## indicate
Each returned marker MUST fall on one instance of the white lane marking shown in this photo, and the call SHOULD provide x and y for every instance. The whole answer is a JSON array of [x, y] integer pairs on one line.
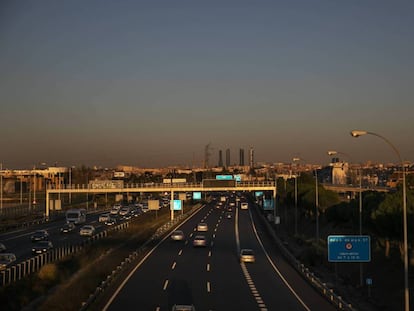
[[173, 265], [121, 286], [274, 266], [208, 267], [208, 287], [180, 252], [165, 285], [209, 254]]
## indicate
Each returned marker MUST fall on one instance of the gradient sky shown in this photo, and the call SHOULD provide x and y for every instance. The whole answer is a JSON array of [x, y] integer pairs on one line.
[[151, 83]]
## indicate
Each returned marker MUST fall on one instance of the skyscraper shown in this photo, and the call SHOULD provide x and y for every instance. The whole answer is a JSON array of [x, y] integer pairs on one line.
[[227, 157], [241, 152], [220, 162], [251, 158]]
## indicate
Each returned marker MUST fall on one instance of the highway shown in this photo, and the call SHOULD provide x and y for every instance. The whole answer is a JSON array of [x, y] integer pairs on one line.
[[19, 242], [212, 278]]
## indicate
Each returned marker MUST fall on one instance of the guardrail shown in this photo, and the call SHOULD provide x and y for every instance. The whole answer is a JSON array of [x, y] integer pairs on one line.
[[134, 255], [322, 287], [19, 271]]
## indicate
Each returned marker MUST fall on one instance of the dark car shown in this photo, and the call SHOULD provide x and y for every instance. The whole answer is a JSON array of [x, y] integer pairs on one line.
[[41, 247], [68, 227], [40, 235]]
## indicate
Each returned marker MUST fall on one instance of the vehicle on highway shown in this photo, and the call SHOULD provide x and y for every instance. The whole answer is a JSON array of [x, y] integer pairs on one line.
[[39, 235], [244, 205], [3, 248], [247, 255], [104, 217], [177, 235], [183, 308], [68, 227], [202, 227], [200, 241], [87, 230], [6, 259], [115, 209], [110, 221], [124, 211], [42, 247], [77, 216]]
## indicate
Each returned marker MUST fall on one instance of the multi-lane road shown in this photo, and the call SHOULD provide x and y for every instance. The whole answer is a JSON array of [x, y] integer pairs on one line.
[[212, 278], [19, 242]]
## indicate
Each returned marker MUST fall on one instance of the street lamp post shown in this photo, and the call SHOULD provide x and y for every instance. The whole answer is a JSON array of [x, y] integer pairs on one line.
[[357, 133], [1, 188], [317, 206], [296, 198]]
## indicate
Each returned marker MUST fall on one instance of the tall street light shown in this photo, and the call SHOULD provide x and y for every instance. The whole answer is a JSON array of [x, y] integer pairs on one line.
[[357, 133], [296, 198], [317, 205]]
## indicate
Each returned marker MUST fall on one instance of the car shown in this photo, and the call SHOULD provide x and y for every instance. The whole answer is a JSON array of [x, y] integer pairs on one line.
[[110, 221], [41, 247], [124, 211], [247, 255], [40, 235], [68, 227], [126, 216], [202, 227], [244, 205], [87, 230], [6, 259], [200, 241], [183, 308], [115, 209], [177, 235], [3, 248], [104, 217]]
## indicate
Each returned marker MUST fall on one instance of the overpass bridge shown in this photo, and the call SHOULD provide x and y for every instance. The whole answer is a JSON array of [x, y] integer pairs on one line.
[[208, 185]]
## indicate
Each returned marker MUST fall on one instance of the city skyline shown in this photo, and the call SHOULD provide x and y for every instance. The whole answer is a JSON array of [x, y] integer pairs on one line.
[[151, 83]]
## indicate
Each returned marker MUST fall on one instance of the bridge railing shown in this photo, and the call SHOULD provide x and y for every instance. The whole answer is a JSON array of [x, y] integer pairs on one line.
[[154, 185]]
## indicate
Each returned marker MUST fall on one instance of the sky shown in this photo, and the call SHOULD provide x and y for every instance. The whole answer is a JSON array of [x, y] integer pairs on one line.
[[152, 83]]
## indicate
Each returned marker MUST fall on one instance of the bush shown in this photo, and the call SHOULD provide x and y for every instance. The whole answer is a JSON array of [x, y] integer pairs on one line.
[[48, 272]]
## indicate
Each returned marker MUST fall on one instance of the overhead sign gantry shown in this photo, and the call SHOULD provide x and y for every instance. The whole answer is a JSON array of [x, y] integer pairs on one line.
[[207, 185]]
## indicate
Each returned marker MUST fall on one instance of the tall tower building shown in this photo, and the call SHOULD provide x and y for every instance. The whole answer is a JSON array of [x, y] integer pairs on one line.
[[241, 151], [251, 157], [220, 162], [227, 157]]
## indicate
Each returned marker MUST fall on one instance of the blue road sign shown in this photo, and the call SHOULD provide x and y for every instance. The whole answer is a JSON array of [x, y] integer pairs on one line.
[[349, 248], [224, 177], [196, 195], [176, 204]]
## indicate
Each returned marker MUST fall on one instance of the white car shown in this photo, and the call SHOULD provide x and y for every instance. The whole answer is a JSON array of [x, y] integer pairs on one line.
[[202, 227], [200, 241], [124, 211], [115, 209], [177, 235], [87, 230]]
